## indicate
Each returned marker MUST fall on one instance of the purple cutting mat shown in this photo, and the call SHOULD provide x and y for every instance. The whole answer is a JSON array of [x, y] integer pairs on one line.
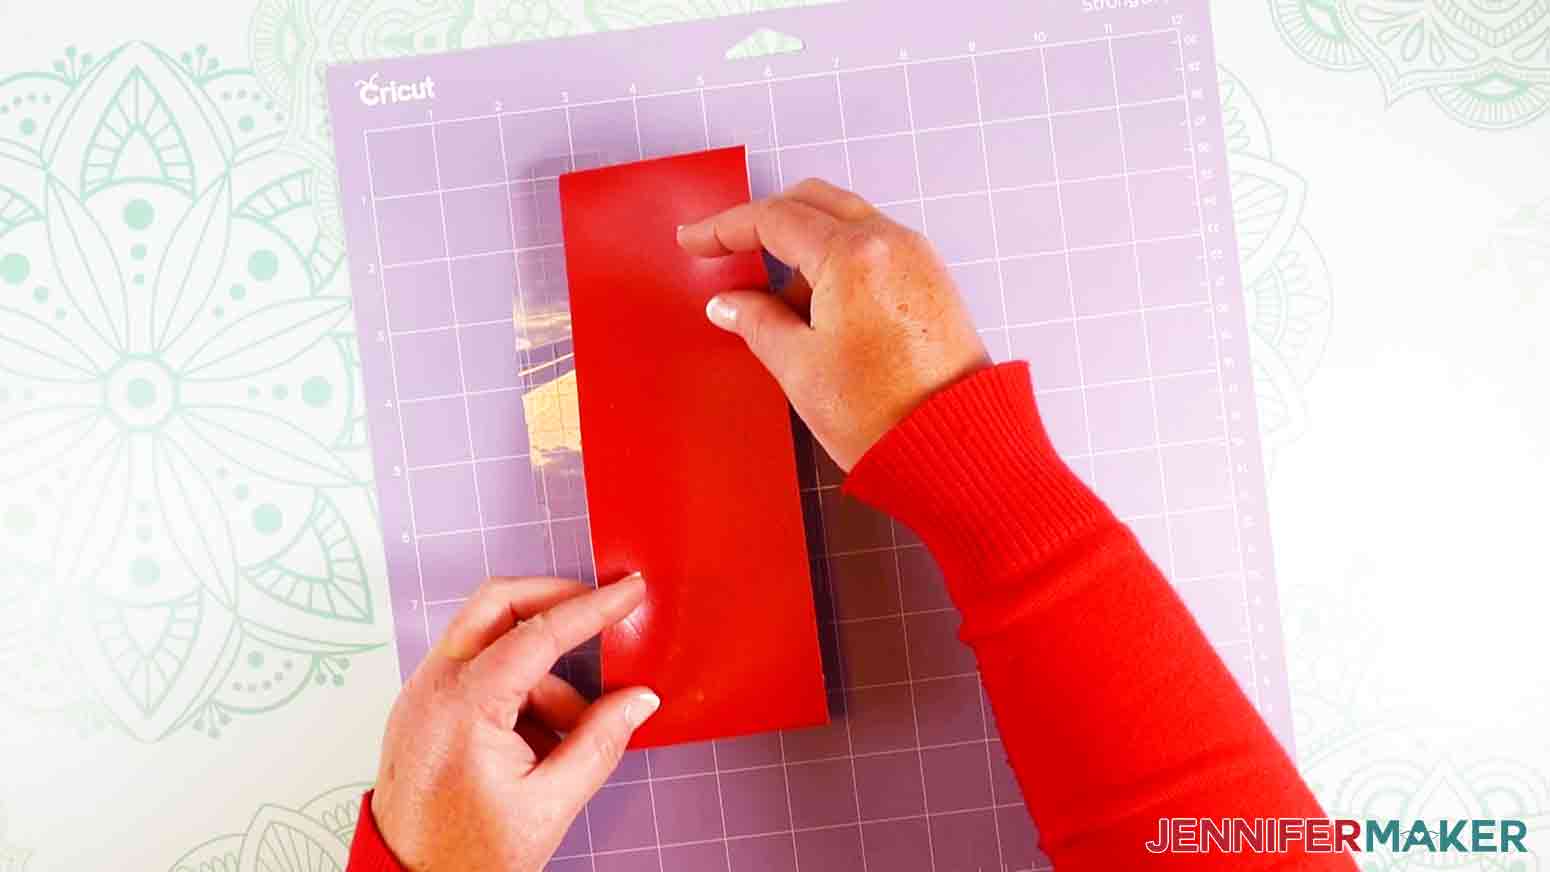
[[1070, 166]]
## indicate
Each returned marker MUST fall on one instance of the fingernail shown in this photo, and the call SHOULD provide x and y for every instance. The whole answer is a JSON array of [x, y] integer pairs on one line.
[[721, 313], [679, 233], [628, 587], [641, 708], [445, 647]]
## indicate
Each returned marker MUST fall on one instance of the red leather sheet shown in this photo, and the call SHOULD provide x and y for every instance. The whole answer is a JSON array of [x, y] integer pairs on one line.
[[690, 469]]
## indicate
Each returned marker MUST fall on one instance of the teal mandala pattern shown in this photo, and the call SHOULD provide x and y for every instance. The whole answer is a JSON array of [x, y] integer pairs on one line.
[[1286, 283], [290, 42], [1401, 772], [1486, 63], [314, 837], [617, 14], [517, 20], [1365, 756], [185, 520]]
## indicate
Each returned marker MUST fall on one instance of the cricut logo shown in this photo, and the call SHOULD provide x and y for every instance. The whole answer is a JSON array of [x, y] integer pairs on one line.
[[374, 93]]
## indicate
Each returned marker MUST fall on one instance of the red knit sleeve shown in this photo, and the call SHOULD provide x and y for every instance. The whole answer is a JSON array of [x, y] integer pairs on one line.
[[369, 852], [1114, 709]]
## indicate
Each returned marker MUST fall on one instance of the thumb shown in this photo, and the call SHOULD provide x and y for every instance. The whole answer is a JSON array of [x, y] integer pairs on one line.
[[592, 751], [774, 332]]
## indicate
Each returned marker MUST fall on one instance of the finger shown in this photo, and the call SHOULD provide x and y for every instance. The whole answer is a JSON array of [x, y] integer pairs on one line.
[[775, 334], [795, 232], [591, 752], [540, 738], [798, 294], [842, 204], [496, 607], [555, 703], [514, 664]]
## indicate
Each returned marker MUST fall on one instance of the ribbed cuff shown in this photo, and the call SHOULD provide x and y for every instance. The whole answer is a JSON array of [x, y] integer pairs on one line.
[[369, 852], [973, 473]]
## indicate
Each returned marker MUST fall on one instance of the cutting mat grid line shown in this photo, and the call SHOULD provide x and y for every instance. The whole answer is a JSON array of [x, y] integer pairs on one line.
[[1071, 284], [1256, 688], [393, 374], [811, 146], [993, 807], [524, 341], [1146, 333], [813, 456], [893, 526], [886, 204], [773, 149], [462, 373], [983, 331], [861, 68], [796, 854], [1064, 184]]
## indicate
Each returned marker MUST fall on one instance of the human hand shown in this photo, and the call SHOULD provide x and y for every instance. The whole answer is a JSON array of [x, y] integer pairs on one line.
[[458, 787], [885, 326]]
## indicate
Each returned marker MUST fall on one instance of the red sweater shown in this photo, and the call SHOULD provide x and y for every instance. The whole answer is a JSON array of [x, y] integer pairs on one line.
[[1114, 709]]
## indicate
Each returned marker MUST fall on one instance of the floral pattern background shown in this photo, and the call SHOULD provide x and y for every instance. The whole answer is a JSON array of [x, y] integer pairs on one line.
[[186, 529], [1486, 63], [1286, 281], [314, 836], [188, 545]]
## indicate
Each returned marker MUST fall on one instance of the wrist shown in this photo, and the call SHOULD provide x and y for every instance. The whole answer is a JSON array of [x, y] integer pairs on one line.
[[962, 469], [370, 851]]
